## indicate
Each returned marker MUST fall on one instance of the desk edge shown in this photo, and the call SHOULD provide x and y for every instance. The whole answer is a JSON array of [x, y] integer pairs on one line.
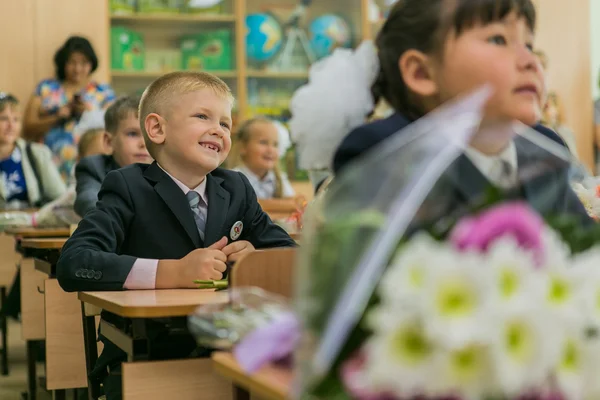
[[133, 312], [241, 378]]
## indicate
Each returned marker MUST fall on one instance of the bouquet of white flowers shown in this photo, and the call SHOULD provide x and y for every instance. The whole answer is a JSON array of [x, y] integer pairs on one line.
[[417, 279]]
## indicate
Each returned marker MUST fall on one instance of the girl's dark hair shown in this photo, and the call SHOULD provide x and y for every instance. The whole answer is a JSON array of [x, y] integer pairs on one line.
[[423, 25], [74, 44]]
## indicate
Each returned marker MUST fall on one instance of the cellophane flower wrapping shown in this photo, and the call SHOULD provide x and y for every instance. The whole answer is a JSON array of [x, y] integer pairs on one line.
[[413, 190], [223, 325], [57, 213]]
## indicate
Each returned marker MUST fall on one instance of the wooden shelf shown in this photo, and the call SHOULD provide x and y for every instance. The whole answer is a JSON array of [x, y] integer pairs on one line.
[[152, 75], [278, 74], [173, 18]]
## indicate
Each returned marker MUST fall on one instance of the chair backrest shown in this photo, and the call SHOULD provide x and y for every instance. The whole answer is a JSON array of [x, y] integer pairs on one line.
[[271, 270]]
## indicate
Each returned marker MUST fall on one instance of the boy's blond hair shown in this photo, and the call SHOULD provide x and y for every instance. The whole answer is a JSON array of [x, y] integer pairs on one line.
[[159, 94], [86, 140]]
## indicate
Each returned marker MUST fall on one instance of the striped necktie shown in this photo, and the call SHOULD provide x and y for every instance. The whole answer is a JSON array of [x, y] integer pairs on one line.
[[194, 199]]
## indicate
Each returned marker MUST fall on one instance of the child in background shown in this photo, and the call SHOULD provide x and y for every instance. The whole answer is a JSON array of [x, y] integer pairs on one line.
[[256, 155], [92, 142], [123, 138], [432, 51], [28, 177]]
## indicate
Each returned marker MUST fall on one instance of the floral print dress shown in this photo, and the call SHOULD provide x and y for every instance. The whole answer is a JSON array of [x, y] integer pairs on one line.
[[60, 138]]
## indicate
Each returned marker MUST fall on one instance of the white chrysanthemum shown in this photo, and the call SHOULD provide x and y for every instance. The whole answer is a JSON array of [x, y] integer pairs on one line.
[[524, 348], [591, 366], [409, 269], [401, 360], [564, 291], [515, 274], [554, 246], [458, 300], [587, 263], [463, 372], [570, 369]]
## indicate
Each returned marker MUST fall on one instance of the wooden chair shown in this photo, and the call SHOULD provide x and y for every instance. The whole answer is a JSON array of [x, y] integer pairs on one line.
[[271, 270]]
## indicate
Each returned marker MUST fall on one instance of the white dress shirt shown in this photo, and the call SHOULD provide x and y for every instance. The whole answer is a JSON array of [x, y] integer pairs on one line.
[[143, 271], [265, 187], [491, 166]]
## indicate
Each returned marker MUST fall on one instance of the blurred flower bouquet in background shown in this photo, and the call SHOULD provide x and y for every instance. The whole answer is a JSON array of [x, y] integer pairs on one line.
[[589, 194], [419, 280]]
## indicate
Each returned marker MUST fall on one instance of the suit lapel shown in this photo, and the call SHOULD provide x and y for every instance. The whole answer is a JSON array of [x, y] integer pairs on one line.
[[468, 180], [218, 205], [539, 172], [173, 196]]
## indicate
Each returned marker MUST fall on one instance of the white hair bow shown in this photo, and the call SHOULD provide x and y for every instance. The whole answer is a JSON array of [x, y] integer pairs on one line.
[[336, 100]]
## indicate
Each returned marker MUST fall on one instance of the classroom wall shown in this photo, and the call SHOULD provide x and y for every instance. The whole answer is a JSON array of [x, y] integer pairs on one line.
[[595, 46], [564, 34], [32, 31]]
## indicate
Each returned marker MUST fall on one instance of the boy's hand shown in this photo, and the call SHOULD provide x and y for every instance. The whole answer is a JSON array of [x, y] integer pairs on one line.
[[237, 250], [203, 264]]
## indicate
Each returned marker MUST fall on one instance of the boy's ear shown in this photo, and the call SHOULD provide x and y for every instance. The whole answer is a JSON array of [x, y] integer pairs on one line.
[[155, 127], [418, 73], [107, 140]]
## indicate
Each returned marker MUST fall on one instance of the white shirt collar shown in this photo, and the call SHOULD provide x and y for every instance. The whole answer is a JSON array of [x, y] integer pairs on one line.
[[200, 189], [490, 166], [269, 178]]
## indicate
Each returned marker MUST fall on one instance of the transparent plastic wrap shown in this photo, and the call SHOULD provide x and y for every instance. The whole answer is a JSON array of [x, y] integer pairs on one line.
[[420, 179], [12, 219], [59, 212], [222, 326]]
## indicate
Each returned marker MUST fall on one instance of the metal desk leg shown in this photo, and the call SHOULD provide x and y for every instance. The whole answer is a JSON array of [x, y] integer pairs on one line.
[[91, 352], [31, 370], [4, 330], [240, 393]]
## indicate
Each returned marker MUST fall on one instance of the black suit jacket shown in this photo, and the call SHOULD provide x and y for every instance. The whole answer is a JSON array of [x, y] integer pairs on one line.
[[89, 174], [142, 213], [545, 181], [363, 138]]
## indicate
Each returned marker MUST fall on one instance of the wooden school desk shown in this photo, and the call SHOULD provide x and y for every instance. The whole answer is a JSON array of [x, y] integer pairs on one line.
[[34, 300], [9, 261], [269, 383], [142, 379], [32, 233], [60, 324]]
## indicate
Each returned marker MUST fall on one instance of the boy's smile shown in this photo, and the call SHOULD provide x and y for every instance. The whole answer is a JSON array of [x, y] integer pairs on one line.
[[197, 133]]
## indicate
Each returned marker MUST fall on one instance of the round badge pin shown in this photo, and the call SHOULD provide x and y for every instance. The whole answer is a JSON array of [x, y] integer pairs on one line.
[[236, 230]]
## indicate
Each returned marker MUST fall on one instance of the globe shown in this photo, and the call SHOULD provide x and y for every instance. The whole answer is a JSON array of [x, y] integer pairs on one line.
[[328, 32], [264, 37]]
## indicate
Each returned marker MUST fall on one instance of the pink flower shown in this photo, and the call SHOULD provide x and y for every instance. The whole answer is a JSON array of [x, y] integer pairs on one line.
[[516, 219]]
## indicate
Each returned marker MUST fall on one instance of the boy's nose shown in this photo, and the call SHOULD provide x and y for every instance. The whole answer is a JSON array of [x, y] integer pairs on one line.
[[217, 132]]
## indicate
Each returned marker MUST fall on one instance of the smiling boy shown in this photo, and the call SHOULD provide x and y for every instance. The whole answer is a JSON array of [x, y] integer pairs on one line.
[[178, 219]]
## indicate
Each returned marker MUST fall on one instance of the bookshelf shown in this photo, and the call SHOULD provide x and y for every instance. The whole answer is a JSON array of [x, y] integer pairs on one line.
[[163, 30]]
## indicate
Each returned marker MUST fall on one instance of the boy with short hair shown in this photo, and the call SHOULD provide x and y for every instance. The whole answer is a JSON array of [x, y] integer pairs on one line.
[[179, 219], [124, 139]]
